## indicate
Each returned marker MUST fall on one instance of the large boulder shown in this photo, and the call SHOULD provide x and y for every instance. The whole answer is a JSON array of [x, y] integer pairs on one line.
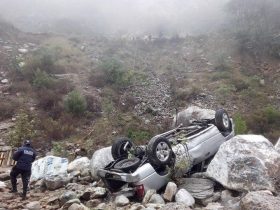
[[260, 200], [81, 164], [192, 113], [246, 163], [100, 159]]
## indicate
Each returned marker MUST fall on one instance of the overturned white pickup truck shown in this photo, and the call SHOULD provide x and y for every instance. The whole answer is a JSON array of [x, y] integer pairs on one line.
[[183, 149]]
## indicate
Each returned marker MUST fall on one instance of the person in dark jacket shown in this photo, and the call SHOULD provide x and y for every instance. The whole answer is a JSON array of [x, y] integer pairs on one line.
[[24, 156]]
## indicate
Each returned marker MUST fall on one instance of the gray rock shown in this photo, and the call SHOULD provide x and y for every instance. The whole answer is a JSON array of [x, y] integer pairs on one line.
[[156, 198], [262, 82], [4, 176], [170, 191], [228, 201], [185, 197], [2, 185], [93, 203], [148, 195], [192, 113], [34, 205], [98, 192], [79, 164], [175, 206], [154, 205], [214, 206], [121, 200], [201, 189], [67, 196], [76, 206], [246, 163], [21, 64], [54, 182], [260, 200], [69, 203], [101, 206], [100, 159], [137, 206], [201, 175], [23, 51], [4, 81]]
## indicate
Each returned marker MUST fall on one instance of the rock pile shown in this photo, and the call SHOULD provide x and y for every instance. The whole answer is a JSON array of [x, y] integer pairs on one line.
[[243, 175]]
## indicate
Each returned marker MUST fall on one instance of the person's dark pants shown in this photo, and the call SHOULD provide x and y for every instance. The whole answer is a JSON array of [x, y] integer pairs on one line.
[[25, 175]]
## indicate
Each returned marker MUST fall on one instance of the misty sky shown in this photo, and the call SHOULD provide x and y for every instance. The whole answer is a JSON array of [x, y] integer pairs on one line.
[[116, 17]]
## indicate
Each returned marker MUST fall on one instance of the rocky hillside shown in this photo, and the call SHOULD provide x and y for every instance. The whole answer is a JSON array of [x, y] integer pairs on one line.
[[167, 75]]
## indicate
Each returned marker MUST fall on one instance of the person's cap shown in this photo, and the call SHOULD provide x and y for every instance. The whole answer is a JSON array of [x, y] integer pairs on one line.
[[26, 142]]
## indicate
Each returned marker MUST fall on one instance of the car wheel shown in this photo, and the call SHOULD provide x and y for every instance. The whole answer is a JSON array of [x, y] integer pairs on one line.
[[159, 152], [222, 120], [121, 147], [128, 165]]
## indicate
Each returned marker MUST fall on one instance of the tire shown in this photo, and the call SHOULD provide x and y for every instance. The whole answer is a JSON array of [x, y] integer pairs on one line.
[[118, 149], [159, 152], [222, 120], [128, 165]]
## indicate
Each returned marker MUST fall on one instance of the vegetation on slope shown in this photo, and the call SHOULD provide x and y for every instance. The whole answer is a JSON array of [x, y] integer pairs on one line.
[[81, 88]]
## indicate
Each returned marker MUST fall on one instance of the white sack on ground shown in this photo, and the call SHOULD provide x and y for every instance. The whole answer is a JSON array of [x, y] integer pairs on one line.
[[49, 165]]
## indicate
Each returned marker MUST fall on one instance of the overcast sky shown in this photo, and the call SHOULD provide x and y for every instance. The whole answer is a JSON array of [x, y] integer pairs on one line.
[[119, 17]]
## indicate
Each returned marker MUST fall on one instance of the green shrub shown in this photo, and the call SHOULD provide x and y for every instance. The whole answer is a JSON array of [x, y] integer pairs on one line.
[[254, 80], [47, 63], [264, 121], [41, 59], [47, 99], [21, 87], [58, 129], [62, 86], [75, 103], [59, 149], [224, 91], [93, 103], [220, 75], [186, 94], [273, 115], [240, 124], [17, 70], [239, 84], [254, 95], [42, 79], [114, 75], [97, 79], [221, 63], [23, 129], [138, 135], [8, 108]]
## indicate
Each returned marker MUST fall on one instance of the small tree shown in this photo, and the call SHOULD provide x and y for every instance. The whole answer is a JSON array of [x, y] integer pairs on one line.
[[42, 79], [75, 103], [23, 129]]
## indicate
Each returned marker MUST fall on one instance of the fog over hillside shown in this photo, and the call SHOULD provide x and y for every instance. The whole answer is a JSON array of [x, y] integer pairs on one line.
[[115, 17]]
